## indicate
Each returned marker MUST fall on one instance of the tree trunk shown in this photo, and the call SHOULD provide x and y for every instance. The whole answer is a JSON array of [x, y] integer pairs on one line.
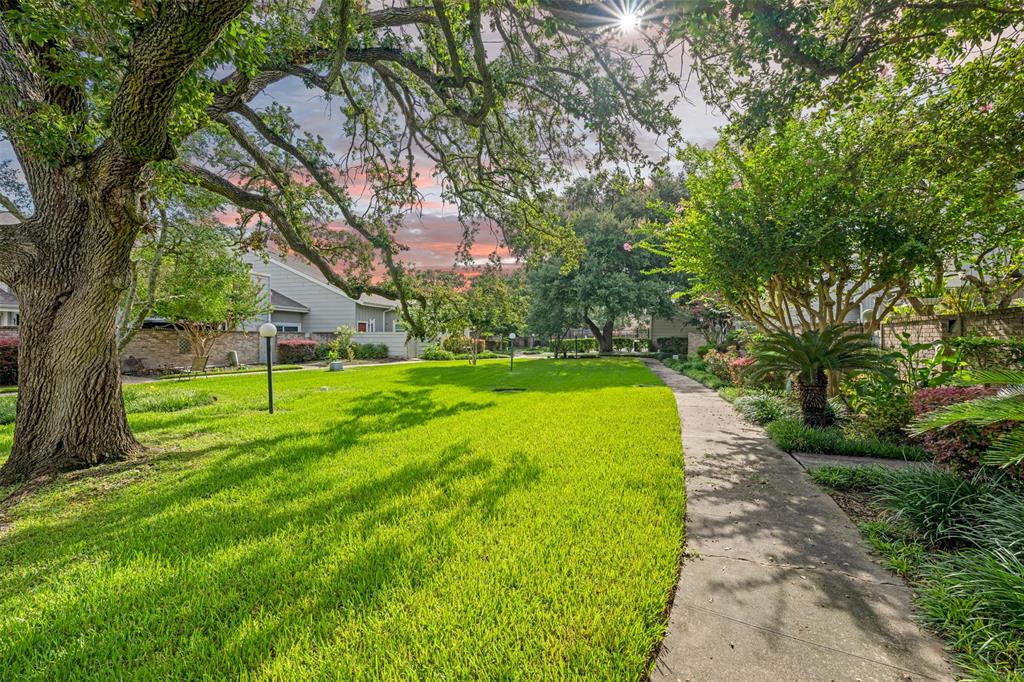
[[813, 399], [602, 334], [70, 412]]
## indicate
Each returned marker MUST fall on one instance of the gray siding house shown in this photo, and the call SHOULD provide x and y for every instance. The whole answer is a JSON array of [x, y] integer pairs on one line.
[[303, 302]]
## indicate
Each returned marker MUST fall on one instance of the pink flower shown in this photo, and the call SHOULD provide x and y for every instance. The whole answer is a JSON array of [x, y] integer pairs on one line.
[[985, 108], [737, 185], [627, 247], [885, 71]]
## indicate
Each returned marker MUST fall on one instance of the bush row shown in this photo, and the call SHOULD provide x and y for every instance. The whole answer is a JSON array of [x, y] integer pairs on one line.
[[9, 361], [307, 350]]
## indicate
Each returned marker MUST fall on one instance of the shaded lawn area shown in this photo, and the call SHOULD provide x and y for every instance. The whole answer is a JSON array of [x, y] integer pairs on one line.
[[408, 522]]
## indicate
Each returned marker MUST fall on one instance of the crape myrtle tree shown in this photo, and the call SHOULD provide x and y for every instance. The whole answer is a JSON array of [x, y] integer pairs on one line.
[[104, 99], [206, 290], [612, 280], [832, 214]]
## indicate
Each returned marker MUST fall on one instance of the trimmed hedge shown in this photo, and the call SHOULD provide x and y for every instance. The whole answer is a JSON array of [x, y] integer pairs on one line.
[[291, 351], [676, 345], [9, 361]]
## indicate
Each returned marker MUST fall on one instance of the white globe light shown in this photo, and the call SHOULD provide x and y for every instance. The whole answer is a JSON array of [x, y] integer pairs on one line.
[[268, 330], [512, 336]]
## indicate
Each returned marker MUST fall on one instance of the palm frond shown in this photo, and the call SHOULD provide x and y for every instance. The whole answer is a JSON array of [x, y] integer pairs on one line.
[[980, 411], [999, 377], [1007, 450]]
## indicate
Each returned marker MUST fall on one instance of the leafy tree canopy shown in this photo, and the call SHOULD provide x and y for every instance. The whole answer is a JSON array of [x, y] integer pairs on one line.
[[612, 280], [803, 226]]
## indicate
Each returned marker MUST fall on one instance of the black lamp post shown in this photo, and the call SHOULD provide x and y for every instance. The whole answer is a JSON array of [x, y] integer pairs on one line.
[[511, 350], [269, 331]]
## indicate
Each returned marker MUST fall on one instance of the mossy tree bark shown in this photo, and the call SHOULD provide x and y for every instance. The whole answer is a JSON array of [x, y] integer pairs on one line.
[[69, 262]]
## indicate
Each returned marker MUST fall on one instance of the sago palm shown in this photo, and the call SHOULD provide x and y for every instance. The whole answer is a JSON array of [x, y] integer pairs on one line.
[[810, 356], [1005, 406]]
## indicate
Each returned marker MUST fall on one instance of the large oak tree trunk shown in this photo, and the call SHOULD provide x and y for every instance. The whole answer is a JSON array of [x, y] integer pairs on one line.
[[602, 334], [70, 412]]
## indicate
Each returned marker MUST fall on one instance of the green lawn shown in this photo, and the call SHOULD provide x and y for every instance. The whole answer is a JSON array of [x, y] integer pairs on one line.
[[408, 522]]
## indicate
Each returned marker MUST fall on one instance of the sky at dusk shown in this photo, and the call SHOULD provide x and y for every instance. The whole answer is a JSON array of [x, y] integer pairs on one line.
[[433, 232]]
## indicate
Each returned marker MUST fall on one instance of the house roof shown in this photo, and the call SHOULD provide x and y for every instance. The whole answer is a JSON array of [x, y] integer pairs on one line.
[[8, 300], [304, 268], [281, 302]]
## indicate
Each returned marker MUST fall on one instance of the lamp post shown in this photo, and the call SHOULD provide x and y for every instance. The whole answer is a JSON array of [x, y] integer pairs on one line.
[[575, 345], [511, 350], [269, 331]]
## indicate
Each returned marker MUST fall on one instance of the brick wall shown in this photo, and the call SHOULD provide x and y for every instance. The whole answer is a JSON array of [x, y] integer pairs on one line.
[[1000, 325], [8, 332], [161, 348]]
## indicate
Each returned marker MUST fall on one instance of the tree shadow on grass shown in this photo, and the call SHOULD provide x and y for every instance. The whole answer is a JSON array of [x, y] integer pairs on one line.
[[243, 576]]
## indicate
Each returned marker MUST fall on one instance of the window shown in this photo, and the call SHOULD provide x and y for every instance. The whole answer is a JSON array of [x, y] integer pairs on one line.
[[289, 327], [373, 325], [361, 326], [184, 347]]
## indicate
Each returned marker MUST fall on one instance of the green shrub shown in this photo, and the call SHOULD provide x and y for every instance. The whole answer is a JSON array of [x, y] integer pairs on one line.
[[370, 351], [584, 345], [931, 501], [696, 370], [986, 352], [731, 394], [7, 406], [483, 355], [850, 479], [764, 408], [673, 345], [793, 436], [436, 353]]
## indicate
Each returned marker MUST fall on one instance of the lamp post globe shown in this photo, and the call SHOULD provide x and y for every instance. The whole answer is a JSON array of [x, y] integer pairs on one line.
[[269, 331]]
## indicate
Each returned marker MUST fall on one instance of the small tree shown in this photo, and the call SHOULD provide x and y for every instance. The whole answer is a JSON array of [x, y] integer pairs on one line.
[[553, 310], [341, 344], [811, 357], [206, 292]]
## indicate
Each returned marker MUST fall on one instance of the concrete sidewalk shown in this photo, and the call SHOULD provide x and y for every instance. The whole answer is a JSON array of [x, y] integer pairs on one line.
[[777, 583]]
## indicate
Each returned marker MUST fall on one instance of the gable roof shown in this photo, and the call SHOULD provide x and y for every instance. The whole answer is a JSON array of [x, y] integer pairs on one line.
[[279, 301], [305, 270]]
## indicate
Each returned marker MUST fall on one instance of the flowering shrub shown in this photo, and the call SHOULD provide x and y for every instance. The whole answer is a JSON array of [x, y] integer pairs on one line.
[[738, 369], [718, 362], [958, 446], [9, 361], [290, 351]]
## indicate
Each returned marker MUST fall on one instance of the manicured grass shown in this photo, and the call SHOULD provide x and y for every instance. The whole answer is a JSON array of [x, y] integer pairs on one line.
[[228, 370], [793, 436], [406, 523]]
